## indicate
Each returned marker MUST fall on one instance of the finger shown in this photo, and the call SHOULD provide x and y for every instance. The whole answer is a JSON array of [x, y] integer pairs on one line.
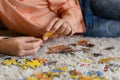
[[30, 52], [56, 26], [54, 36], [34, 41], [53, 21], [32, 45], [67, 31], [29, 39], [61, 29], [45, 39]]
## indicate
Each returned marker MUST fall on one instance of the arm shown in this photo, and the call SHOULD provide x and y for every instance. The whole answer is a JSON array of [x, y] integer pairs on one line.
[[19, 46], [69, 20]]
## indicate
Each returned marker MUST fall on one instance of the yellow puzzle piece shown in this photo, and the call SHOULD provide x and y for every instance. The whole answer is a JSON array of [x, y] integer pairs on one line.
[[32, 78], [48, 34], [9, 62], [23, 66], [33, 63], [104, 60], [86, 61]]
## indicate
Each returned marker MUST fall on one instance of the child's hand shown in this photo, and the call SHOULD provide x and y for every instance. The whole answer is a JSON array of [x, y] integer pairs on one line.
[[20, 46], [59, 27]]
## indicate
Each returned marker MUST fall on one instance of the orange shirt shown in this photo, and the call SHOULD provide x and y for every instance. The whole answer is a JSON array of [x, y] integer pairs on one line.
[[31, 17]]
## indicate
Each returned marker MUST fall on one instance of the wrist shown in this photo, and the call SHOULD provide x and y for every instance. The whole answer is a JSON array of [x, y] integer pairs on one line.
[[3, 42]]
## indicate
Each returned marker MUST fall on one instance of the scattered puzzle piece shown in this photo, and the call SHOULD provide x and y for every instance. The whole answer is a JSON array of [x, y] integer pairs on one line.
[[43, 76], [86, 78], [33, 63], [96, 54], [48, 34], [85, 43], [82, 42], [90, 45], [8, 62], [86, 50], [109, 48], [73, 44], [104, 60], [75, 74], [59, 70], [50, 63], [64, 69], [86, 61], [32, 78], [59, 49], [23, 66]]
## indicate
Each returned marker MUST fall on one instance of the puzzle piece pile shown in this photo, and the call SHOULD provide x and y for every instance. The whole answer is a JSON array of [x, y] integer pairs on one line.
[[25, 62], [74, 74], [48, 75], [93, 75], [90, 75]]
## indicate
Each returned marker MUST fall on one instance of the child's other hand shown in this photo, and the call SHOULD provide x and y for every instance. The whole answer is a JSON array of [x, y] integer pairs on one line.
[[20, 46], [59, 27]]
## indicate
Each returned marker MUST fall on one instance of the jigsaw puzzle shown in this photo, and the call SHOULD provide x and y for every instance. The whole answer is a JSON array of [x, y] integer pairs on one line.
[[79, 60]]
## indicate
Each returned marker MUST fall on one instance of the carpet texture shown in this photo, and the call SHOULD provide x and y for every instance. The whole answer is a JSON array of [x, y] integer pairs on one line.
[[103, 57]]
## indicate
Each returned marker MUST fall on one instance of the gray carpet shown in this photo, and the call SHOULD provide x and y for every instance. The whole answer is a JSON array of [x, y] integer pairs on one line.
[[72, 62]]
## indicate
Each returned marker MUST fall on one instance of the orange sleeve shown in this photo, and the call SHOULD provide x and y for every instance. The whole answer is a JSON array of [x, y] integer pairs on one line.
[[17, 15], [70, 11], [11, 18]]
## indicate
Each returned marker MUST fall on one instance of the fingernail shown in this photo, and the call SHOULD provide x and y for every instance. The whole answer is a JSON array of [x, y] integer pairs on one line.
[[41, 41], [47, 29], [46, 38]]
